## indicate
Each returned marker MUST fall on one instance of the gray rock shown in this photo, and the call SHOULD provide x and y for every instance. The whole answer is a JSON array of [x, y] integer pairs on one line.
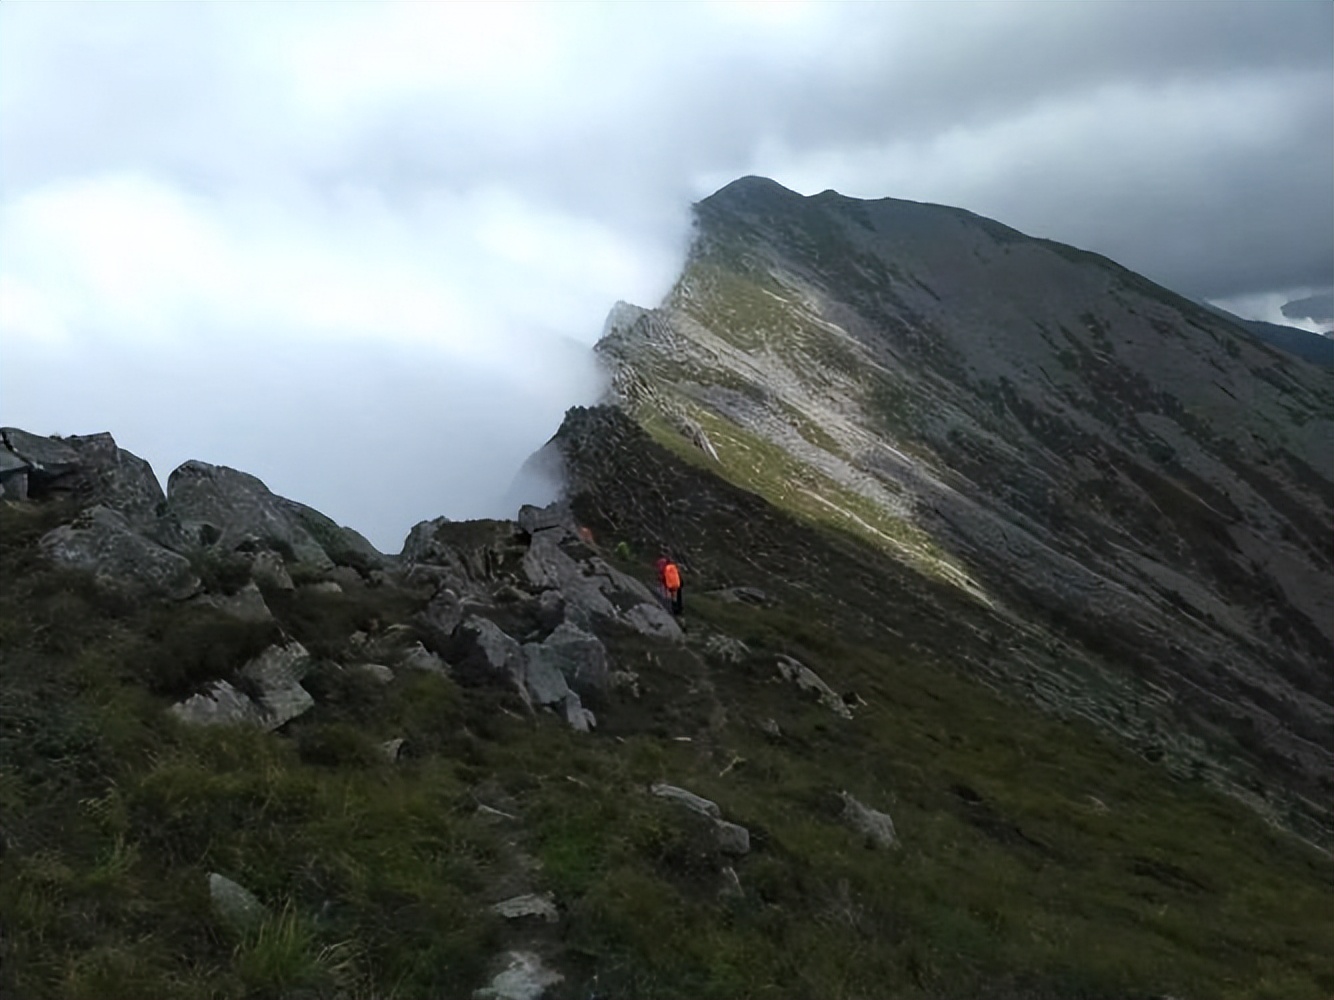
[[732, 837], [690, 800], [654, 620], [550, 609], [523, 977], [234, 905], [418, 657], [246, 605], [103, 542], [117, 479], [743, 595], [268, 568], [541, 905], [219, 704], [555, 516], [277, 673], [441, 617], [391, 749], [877, 826], [490, 653], [579, 718], [809, 681], [542, 677], [45, 457], [581, 657], [377, 672], [218, 506]]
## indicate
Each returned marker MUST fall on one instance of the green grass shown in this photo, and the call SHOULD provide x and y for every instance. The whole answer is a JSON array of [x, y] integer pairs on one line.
[[1037, 859]]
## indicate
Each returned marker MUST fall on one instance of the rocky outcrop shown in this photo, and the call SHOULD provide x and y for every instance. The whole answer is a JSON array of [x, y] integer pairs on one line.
[[809, 682], [876, 826], [275, 677], [731, 838], [580, 658], [101, 541]]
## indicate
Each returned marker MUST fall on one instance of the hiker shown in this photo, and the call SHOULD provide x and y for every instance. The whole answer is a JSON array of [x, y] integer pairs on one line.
[[669, 575]]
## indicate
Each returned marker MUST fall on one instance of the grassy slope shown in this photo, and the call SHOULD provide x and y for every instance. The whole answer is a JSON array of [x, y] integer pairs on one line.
[[1038, 860]]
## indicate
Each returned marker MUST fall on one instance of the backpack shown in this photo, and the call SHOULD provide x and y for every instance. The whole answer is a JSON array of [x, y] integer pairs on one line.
[[671, 576]]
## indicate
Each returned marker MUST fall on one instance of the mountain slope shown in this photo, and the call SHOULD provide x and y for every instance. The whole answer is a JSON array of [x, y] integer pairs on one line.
[[1128, 479]]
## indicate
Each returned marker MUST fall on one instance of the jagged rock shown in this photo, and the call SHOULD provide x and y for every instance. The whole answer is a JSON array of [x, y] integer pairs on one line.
[[377, 672], [690, 800], [547, 567], [441, 617], [555, 516], [391, 748], [542, 677], [732, 838], [421, 546], [580, 657], [490, 653], [246, 605], [541, 905], [114, 478], [277, 674], [418, 657], [268, 568], [218, 506], [877, 826], [234, 905], [524, 977], [579, 718], [809, 681], [219, 704], [652, 619], [102, 541], [46, 459]]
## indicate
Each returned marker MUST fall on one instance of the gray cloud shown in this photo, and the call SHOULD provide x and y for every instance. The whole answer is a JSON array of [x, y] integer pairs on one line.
[[422, 207]]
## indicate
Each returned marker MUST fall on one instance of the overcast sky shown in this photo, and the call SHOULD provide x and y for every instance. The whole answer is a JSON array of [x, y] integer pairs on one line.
[[360, 251]]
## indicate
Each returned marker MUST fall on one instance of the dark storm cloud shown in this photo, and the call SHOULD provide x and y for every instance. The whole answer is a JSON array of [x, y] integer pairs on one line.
[[417, 201]]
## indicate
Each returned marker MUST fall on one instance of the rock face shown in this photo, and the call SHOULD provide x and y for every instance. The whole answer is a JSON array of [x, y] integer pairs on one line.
[[221, 508], [1070, 447], [103, 542]]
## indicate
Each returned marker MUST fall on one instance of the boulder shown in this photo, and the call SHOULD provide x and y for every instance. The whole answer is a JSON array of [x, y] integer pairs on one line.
[[550, 609], [42, 462], [580, 719], [542, 905], [267, 568], [102, 541], [579, 656], [654, 620], [418, 657], [392, 748], [440, 618], [690, 800], [553, 517], [809, 681], [117, 479], [233, 904], [489, 653], [523, 977], [246, 605], [876, 826], [732, 838], [219, 704], [276, 674]]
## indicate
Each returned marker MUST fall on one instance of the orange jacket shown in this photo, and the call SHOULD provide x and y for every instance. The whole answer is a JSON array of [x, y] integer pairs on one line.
[[671, 577]]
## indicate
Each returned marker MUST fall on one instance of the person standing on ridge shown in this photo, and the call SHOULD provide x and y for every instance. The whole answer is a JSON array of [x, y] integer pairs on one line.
[[670, 575]]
